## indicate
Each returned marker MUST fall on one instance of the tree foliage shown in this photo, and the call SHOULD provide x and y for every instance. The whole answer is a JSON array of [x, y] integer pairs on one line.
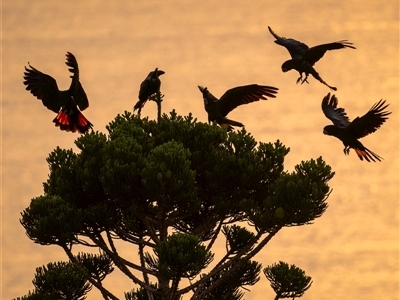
[[287, 281], [168, 189]]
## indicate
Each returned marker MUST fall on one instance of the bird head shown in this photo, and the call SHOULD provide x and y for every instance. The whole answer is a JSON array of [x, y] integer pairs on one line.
[[159, 72], [328, 130], [202, 89], [153, 75], [287, 66], [205, 93]]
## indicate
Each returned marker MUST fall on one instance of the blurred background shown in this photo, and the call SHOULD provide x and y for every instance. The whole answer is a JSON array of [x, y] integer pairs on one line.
[[352, 251]]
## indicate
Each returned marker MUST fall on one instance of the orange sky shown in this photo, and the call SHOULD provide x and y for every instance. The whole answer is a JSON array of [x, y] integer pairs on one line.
[[352, 251]]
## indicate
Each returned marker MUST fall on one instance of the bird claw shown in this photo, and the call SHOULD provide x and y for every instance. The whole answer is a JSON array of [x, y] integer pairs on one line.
[[301, 80], [346, 150], [305, 80]]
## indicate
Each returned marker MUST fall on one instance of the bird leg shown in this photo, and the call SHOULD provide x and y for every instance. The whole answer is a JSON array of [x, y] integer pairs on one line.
[[300, 79], [346, 150], [305, 79]]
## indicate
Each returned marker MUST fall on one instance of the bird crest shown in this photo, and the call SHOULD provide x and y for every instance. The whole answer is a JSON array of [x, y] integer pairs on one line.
[[205, 92]]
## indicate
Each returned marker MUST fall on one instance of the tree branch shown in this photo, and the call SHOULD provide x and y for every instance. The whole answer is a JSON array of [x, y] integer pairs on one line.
[[150, 230], [214, 238], [143, 265], [118, 262], [233, 261], [96, 283], [237, 261], [126, 236]]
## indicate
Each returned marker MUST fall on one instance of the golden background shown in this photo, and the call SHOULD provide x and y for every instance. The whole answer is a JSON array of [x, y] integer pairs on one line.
[[352, 251]]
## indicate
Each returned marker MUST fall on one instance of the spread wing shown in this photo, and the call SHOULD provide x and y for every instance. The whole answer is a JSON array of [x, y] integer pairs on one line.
[[315, 53], [371, 121], [42, 86], [243, 95], [296, 49], [76, 87], [337, 115]]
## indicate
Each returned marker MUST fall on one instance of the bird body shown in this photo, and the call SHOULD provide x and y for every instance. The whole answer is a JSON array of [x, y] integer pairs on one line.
[[218, 109], [148, 87], [304, 58], [64, 103], [349, 132]]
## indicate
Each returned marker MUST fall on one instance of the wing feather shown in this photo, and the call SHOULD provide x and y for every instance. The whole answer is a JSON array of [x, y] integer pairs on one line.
[[371, 121], [76, 88], [42, 86], [243, 95], [315, 53], [338, 116], [296, 49]]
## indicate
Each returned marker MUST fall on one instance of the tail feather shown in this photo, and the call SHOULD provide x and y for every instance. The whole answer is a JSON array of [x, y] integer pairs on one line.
[[316, 76], [72, 120], [139, 105], [367, 154], [226, 126], [228, 123]]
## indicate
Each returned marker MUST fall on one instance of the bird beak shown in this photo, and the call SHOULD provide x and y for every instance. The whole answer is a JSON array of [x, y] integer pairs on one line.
[[202, 89], [158, 72]]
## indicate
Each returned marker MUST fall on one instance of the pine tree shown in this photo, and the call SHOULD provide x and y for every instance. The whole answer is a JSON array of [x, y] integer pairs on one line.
[[168, 189]]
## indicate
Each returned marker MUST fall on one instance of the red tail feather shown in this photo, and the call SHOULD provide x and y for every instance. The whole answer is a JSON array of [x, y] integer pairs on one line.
[[72, 121], [367, 154]]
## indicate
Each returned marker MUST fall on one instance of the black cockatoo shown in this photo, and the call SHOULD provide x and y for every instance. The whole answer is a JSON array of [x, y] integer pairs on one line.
[[148, 87], [64, 103], [349, 132], [217, 110], [304, 58]]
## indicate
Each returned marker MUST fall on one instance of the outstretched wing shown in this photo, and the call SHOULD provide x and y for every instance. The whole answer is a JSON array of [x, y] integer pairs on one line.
[[315, 53], [243, 95], [371, 121], [296, 49], [42, 86], [76, 87], [337, 115]]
